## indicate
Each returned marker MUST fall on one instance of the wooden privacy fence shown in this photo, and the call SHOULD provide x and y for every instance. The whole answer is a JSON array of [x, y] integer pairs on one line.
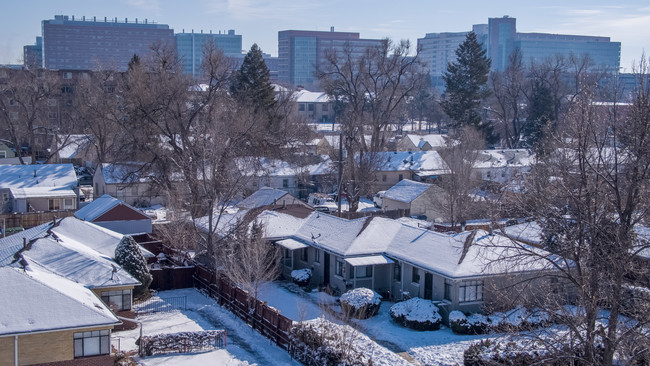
[[263, 318], [31, 219]]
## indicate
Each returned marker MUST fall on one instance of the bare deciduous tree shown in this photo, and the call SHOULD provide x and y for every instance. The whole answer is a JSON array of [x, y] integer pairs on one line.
[[370, 88]]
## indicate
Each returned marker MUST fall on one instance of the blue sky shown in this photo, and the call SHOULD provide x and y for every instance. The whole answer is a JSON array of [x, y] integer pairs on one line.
[[258, 21]]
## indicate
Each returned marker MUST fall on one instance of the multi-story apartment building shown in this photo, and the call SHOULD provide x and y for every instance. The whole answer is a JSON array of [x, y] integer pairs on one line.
[[500, 38], [33, 54], [91, 44], [301, 52], [190, 47]]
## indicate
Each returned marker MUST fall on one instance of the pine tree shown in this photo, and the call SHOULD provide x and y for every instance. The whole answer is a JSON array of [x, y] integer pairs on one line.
[[129, 257], [540, 115], [252, 83], [465, 81]]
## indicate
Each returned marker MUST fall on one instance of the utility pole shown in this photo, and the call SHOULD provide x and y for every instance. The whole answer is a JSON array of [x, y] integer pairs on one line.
[[338, 190]]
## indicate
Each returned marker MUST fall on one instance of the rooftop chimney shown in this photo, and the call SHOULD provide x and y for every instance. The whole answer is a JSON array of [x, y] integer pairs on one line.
[[331, 29]]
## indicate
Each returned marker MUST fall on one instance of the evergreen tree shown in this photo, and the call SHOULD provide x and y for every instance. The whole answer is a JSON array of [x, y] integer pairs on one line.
[[129, 257], [252, 83], [466, 81], [540, 115]]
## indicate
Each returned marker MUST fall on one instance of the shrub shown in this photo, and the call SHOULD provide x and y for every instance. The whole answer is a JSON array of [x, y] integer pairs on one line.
[[360, 303], [129, 257], [416, 313], [320, 342], [301, 277], [472, 324]]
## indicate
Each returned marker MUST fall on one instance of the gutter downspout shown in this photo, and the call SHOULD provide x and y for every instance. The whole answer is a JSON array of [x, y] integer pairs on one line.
[[15, 350]]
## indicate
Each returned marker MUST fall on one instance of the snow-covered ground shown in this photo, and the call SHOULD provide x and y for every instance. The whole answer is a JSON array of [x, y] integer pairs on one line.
[[245, 345], [440, 347]]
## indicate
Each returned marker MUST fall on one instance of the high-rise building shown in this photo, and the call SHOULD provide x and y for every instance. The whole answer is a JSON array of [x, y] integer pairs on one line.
[[190, 47], [89, 44], [500, 38], [301, 52], [33, 55]]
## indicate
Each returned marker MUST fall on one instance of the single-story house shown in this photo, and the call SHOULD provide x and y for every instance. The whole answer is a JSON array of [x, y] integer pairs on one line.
[[126, 183], [421, 166], [76, 250], [393, 258], [297, 180], [75, 149], [266, 196], [113, 214], [417, 197], [412, 142], [8, 156], [46, 318], [38, 188], [502, 166]]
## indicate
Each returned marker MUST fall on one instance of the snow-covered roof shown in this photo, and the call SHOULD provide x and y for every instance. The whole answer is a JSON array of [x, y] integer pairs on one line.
[[39, 175], [74, 261], [100, 206], [35, 301], [306, 96], [69, 230], [435, 140], [504, 158], [263, 197], [406, 190], [281, 168], [37, 192], [122, 173], [71, 145], [429, 161], [444, 254], [529, 232]]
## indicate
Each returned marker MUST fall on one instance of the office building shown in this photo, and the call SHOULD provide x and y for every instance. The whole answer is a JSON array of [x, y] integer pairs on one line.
[[301, 52], [500, 38], [90, 44], [190, 47], [33, 55]]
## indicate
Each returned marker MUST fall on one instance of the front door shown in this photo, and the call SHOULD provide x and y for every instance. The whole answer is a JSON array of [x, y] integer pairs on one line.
[[428, 286], [326, 269]]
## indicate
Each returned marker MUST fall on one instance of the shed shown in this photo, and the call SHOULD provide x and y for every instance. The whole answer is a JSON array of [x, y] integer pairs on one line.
[[113, 214]]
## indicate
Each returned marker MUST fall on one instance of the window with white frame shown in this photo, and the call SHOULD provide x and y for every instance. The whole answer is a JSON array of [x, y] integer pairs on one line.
[[304, 255], [415, 275], [54, 204], [469, 291], [51, 102], [338, 269], [317, 255], [68, 204], [397, 272], [67, 75], [118, 299], [448, 286], [363, 271], [92, 343]]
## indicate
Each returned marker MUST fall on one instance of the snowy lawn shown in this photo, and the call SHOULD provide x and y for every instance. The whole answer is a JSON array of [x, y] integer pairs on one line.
[[440, 347], [245, 345]]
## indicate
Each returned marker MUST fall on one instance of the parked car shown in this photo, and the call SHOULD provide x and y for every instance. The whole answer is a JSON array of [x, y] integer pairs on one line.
[[378, 198]]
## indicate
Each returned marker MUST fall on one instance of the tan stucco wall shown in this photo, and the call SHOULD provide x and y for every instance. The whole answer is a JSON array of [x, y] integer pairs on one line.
[[40, 348]]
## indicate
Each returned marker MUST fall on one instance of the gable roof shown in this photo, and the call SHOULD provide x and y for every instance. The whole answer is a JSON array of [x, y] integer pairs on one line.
[[37, 192], [76, 263], [72, 145], [35, 301], [41, 176], [95, 209], [504, 158], [424, 161], [406, 190], [434, 140], [448, 255], [122, 173], [68, 230], [263, 197]]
